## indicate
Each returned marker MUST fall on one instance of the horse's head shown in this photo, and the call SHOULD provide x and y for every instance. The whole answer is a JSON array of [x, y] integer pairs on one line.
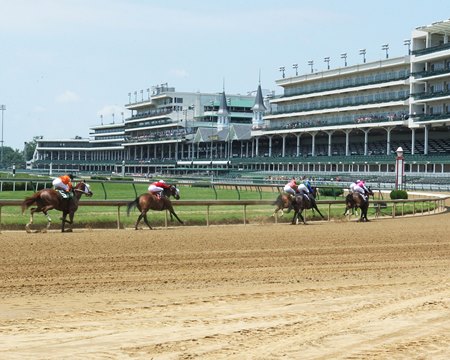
[[84, 188], [174, 191], [369, 191]]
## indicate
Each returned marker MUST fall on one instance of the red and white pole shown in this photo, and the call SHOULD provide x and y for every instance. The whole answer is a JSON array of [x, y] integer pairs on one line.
[[399, 169]]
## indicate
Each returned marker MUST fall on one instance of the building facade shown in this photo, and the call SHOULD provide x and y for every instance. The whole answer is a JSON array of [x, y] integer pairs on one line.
[[343, 120]]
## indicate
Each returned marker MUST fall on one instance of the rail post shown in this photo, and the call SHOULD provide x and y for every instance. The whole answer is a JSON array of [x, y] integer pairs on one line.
[[118, 217]]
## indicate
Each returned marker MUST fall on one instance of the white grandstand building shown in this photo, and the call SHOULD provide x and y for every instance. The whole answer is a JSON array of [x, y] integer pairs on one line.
[[345, 120]]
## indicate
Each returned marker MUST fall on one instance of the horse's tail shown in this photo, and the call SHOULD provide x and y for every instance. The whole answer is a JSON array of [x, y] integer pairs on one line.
[[132, 205], [29, 201]]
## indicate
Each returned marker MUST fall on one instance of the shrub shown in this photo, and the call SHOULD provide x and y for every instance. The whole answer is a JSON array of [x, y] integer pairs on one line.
[[331, 191], [398, 194], [201, 185]]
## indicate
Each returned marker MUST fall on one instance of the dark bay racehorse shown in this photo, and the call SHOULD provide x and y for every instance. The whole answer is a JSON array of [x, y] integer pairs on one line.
[[284, 201], [301, 203], [49, 199], [355, 201], [148, 201]]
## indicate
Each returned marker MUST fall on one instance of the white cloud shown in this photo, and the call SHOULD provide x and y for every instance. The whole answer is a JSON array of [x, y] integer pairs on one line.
[[68, 97]]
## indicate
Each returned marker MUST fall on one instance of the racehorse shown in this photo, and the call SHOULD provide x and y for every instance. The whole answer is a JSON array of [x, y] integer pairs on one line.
[[49, 199], [355, 200], [148, 201], [284, 201], [301, 203]]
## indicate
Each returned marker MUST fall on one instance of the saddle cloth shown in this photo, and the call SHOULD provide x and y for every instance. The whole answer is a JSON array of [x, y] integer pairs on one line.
[[64, 195]]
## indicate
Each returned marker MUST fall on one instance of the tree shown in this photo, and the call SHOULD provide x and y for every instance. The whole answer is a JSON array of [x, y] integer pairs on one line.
[[11, 157], [30, 147]]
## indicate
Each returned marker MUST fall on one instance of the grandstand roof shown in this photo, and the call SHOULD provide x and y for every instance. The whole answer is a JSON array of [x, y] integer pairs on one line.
[[438, 27]]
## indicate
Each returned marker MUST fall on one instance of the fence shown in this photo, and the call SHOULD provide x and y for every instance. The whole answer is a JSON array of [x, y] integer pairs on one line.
[[426, 203]]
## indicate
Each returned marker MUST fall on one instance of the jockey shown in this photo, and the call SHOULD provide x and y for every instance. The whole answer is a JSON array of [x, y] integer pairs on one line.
[[291, 187], [158, 187], [64, 183], [359, 186], [305, 189]]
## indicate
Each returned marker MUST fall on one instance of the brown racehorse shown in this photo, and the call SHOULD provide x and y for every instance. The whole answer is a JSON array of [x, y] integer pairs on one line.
[[148, 201], [284, 201], [355, 201], [301, 203], [49, 199]]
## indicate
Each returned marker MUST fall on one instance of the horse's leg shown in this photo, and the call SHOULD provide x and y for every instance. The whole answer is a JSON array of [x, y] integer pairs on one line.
[[70, 221], [366, 209], [142, 215], [146, 221], [27, 226], [277, 211], [301, 217], [174, 214], [315, 207], [295, 218], [63, 221]]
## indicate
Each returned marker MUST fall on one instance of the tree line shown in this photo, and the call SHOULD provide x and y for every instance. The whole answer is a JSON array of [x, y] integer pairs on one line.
[[18, 157]]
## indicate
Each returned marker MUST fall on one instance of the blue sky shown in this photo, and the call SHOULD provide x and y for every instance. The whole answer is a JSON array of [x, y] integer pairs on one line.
[[64, 63]]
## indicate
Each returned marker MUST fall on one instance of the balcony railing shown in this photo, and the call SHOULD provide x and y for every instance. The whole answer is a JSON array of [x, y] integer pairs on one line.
[[431, 49]]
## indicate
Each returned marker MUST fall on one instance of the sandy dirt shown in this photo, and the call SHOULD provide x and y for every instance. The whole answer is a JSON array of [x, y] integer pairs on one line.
[[343, 290]]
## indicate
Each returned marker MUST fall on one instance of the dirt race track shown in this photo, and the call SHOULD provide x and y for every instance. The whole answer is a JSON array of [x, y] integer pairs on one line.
[[341, 290]]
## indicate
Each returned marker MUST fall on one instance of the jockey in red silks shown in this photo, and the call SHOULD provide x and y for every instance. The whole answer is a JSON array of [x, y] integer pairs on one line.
[[158, 187]]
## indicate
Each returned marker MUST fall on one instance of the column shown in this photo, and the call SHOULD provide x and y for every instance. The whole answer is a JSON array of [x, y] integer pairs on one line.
[[425, 140], [270, 146], [329, 141], [347, 142], [388, 141], [298, 144], [366, 142], [313, 144], [413, 140], [283, 150]]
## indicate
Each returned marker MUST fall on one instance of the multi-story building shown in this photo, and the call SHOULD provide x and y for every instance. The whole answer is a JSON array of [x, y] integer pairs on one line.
[[342, 120], [168, 131]]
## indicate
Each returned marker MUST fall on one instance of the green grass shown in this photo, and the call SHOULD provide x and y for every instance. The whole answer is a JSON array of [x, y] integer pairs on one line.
[[103, 216]]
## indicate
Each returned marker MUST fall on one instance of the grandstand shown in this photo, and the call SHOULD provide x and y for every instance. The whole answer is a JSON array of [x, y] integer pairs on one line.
[[339, 121]]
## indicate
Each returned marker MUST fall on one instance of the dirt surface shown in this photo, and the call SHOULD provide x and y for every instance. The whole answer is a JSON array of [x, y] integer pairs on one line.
[[326, 290]]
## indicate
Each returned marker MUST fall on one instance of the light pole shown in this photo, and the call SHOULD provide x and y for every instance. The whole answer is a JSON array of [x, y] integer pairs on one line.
[[407, 42], [363, 53], [311, 63], [212, 130], [399, 169], [344, 56], [295, 66], [282, 70], [385, 47], [327, 60], [3, 108]]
